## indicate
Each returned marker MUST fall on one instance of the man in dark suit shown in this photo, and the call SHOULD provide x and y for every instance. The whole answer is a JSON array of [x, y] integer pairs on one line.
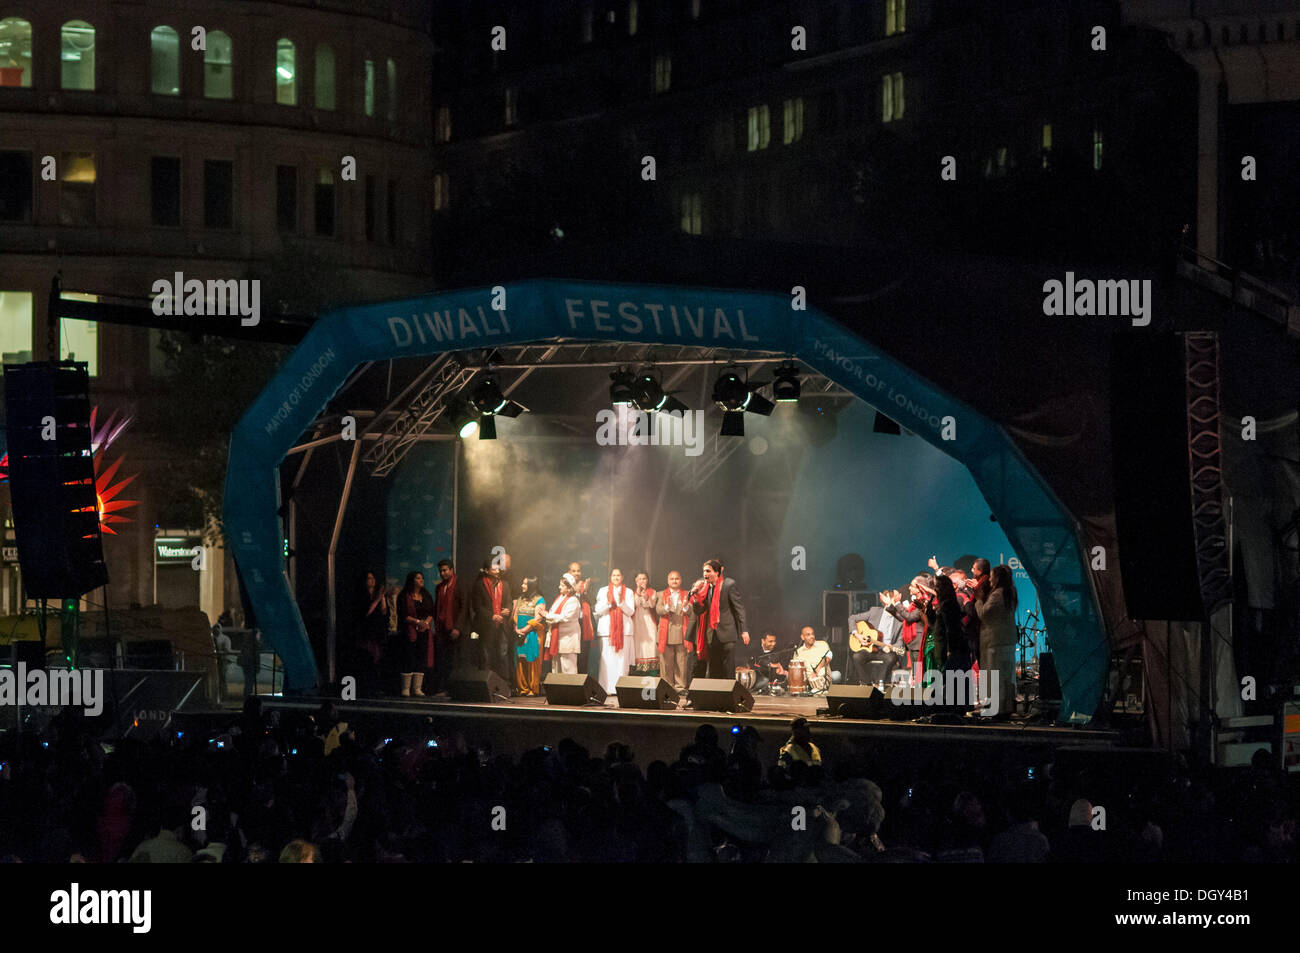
[[488, 612], [720, 615]]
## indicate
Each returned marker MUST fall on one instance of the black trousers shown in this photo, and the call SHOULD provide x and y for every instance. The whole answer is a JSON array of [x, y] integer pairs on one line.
[[496, 653], [872, 667], [722, 658], [444, 659]]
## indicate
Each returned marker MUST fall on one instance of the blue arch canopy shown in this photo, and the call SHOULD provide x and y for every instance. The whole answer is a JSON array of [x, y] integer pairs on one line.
[[1044, 535]]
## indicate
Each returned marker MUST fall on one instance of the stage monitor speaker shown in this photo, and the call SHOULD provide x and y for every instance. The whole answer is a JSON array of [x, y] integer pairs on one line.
[[719, 694], [645, 691], [855, 701], [1049, 684], [572, 690], [52, 481], [1153, 491], [477, 685]]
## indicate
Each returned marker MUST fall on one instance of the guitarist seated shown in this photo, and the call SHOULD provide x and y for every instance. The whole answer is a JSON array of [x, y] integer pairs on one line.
[[875, 646]]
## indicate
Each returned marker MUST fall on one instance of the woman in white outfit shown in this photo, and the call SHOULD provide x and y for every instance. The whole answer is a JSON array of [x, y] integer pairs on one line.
[[615, 607], [564, 641]]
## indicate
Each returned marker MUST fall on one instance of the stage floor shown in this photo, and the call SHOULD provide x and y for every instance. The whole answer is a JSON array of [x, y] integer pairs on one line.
[[769, 713]]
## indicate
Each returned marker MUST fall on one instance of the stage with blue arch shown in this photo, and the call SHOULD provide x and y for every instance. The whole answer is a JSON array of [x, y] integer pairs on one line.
[[1042, 532]]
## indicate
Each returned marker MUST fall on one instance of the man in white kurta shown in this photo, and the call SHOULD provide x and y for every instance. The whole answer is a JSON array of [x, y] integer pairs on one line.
[[645, 623], [564, 641], [614, 662]]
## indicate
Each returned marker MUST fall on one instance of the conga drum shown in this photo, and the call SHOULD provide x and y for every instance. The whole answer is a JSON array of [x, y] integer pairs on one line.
[[747, 677], [798, 678]]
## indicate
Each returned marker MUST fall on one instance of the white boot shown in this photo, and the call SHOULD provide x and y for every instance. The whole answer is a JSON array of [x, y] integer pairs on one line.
[[417, 684], [406, 684]]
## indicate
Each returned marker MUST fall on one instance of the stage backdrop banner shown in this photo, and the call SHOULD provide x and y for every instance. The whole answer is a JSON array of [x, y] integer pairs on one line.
[[1045, 536]]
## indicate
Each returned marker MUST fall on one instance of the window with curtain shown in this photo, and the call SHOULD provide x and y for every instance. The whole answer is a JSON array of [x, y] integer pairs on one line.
[[76, 188], [165, 56], [369, 92], [15, 52], [219, 66], [77, 55]]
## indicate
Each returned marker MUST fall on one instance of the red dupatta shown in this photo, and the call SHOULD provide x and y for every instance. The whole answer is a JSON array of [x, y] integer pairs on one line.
[[616, 619]]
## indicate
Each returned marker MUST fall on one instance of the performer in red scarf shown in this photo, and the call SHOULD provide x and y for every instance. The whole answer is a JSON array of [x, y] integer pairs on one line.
[[488, 614], [721, 619], [448, 607], [588, 626], [564, 641], [614, 609], [676, 650]]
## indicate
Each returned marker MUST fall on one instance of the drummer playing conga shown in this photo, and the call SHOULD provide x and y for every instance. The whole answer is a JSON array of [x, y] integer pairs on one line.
[[816, 655]]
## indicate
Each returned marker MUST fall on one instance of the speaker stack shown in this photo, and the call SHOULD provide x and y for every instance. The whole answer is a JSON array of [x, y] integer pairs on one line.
[[52, 479]]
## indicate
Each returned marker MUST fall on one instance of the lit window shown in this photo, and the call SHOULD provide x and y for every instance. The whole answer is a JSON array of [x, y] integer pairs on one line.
[[392, 89], [444, 124], [512, 105], [1096, 149], [760, 128], [631, 17], [16, 326], [15, 187], [218, 67], [441, 195], [165, 51], [218, 192], [1047, 144], [891, 98], [165, 191], [691, 217], [663, 73], [1002, 160], [78, 339], [325, 203], [77, 188], [792, 127], [588, 22], [895, 17], [324, 77], [695, 9], [369, 103], [78, 55], [286, 73], [15, 52]]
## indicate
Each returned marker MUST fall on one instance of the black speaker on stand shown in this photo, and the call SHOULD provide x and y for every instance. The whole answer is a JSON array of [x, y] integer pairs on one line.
[[52, 479]]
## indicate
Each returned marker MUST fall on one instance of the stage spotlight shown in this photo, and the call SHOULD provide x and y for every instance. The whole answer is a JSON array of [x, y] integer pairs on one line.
[[648, 395], [621, 391], [733, 423], [734, 394], [465, 420], [487, 427], [730, 392], [487, 398], [786, 387]]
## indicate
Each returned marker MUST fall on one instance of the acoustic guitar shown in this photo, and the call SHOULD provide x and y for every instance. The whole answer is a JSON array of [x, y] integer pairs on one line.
[[870, 640]]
